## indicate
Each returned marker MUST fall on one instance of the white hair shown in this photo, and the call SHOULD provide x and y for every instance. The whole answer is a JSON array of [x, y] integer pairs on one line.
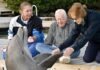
[[61, 12]]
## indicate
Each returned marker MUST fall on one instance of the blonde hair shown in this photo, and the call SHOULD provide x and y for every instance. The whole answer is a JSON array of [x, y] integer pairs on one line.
[[23, 4], [78, 9]]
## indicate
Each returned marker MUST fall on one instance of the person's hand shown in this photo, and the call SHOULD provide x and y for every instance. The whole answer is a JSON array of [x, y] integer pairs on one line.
[[31, 39], [56, 51], [68, 51], [65, 59], [66, 56]]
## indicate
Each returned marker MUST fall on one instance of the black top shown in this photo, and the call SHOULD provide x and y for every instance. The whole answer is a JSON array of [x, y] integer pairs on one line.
[[33, 23], [90, 31]]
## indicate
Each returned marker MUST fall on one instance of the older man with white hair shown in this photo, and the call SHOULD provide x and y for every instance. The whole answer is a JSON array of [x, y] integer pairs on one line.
[[58, 33]]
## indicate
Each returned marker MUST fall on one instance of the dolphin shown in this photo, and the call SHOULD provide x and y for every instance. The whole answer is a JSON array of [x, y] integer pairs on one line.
[[18, 56]]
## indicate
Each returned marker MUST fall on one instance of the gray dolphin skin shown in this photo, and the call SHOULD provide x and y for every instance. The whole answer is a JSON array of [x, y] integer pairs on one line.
[[18, 56]]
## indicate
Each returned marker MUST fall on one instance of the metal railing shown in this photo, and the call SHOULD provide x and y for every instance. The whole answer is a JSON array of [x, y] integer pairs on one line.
[[36, 11]]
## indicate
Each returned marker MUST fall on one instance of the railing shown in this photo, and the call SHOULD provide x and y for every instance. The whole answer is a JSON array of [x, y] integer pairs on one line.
[[36, 11]]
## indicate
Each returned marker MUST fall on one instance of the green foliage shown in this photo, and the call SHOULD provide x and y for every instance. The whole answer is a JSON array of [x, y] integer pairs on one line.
[[48, 6]]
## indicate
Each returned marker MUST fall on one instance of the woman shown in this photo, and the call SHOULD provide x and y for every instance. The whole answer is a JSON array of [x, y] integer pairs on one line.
[[33, 24], [83, 33]]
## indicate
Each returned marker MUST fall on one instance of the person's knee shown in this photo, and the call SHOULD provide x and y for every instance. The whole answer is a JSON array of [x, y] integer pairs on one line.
[[38, 45], [98, 59], [87, 60]]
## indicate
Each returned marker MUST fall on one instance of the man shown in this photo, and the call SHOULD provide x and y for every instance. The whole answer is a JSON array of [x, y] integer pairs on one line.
[[58, 33]]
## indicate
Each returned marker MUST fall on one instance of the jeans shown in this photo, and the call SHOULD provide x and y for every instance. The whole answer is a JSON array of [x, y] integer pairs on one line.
[[43, 48], [32, 49]]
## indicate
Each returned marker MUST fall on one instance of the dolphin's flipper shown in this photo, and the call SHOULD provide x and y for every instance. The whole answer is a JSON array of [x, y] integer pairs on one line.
[[40, 57], [49, 61]]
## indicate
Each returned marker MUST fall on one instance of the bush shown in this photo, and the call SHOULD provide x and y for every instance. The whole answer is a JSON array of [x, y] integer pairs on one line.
[[49, 6]]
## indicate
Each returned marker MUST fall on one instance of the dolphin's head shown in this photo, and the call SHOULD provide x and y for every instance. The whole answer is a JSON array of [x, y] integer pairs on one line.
[[18, 55]]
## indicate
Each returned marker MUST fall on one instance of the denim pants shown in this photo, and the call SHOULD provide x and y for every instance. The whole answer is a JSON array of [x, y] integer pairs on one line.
[[43, 48], [32, 49]]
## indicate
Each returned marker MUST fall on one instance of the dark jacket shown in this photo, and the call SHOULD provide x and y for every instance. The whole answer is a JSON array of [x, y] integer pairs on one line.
[[33, 23], [90, 31]]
